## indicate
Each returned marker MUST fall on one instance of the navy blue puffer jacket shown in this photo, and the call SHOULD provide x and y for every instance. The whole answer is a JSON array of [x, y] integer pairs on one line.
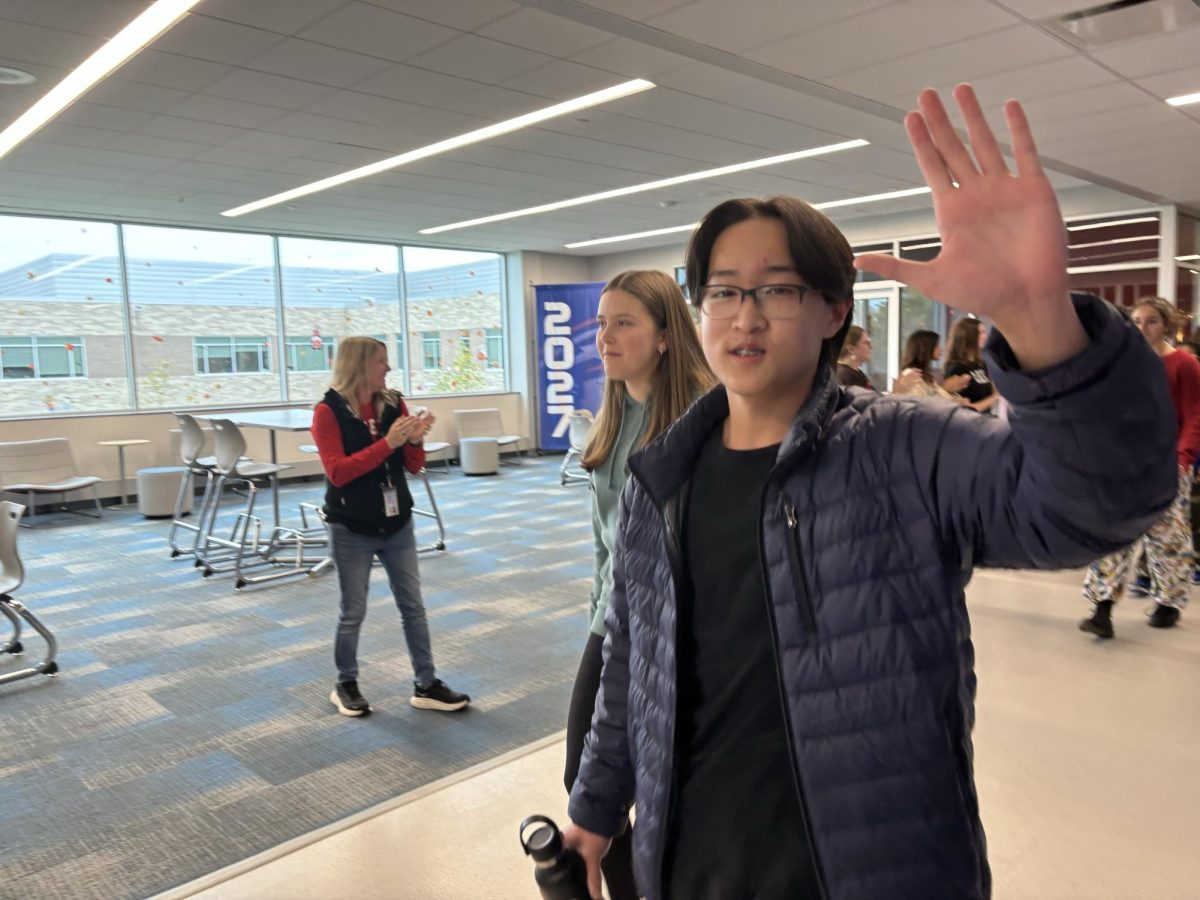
[[872, 520]]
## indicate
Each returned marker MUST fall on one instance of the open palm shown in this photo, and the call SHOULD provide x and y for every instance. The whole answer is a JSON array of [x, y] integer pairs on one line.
[[1003, 243]]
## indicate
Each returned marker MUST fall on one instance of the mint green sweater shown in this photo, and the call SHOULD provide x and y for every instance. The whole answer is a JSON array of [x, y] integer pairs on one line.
[[608, 480]]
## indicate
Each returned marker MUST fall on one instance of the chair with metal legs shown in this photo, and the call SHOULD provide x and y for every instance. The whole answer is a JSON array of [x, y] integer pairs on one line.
[[191, 446], [216, 554], [579, 428], [12, 574], [431, 513]]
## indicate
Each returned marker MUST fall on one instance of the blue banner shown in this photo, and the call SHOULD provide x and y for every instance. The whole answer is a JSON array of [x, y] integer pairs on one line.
[[570, 374]]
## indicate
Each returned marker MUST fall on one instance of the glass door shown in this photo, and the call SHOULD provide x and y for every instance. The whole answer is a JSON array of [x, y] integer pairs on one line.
[[877, 311]]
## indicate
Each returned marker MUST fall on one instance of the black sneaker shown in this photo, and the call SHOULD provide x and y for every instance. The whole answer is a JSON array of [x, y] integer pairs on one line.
[[1100, 623], [348, 700], [1163, 616], [438, 695]]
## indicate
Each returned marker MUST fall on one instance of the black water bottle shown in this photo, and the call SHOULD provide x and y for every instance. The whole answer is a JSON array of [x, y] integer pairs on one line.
[[561, 873]]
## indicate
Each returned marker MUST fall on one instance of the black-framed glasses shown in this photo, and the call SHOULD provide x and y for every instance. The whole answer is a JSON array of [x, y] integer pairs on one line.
[[774, 301]]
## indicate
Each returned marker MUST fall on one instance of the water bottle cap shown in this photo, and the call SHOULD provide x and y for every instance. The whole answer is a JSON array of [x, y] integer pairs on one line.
[[545, 843]]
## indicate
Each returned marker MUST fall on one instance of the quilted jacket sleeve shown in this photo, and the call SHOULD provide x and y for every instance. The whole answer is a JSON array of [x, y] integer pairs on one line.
[[1085, 464], [603, 790]]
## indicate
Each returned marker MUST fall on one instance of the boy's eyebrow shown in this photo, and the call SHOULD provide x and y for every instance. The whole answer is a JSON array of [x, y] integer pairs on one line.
[[729, 273]]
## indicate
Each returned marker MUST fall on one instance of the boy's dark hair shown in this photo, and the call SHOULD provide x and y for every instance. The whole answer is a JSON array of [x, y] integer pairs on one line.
[[820, 252]]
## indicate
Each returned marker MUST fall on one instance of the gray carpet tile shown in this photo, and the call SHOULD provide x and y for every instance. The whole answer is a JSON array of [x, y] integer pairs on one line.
[[191, 726]]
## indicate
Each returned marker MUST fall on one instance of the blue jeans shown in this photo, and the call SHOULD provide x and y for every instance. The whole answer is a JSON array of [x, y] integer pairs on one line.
[[352, 555]]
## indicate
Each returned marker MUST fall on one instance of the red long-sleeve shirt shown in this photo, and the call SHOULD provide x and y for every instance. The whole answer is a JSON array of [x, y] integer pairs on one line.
[[1183, 379], [341, 469]]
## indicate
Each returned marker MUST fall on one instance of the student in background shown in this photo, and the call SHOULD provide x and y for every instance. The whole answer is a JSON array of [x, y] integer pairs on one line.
[[654, 369], [856, 353], [1168, 547], [922, 350], [965, 357]]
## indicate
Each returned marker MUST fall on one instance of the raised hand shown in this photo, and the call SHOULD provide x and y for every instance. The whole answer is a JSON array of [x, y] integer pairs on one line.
[[1004, 254]]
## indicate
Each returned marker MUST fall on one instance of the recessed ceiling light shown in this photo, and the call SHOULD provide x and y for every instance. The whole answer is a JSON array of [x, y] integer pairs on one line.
[[651, 185], [849, 201], [157, 18], [1184, 99], [635, 86], [11, 77], [1128, 240], [1189, 256]]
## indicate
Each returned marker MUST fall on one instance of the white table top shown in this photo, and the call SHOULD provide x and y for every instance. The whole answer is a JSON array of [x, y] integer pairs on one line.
[[125, 442], [274, 419]]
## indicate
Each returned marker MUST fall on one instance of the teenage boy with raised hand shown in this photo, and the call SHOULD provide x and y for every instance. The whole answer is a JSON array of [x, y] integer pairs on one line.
[[788, 685]]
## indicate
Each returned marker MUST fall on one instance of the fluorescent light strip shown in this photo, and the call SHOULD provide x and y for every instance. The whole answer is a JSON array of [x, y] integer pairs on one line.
[[928, 246], [471, 137], [1128, 240], [650, 186], [870, 198], [631, 237], [1184, 100], [1189, 256], [126, 43], [1114, 224]]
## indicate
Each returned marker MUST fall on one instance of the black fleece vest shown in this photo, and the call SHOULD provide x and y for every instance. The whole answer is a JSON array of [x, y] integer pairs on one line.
[[359, 504]]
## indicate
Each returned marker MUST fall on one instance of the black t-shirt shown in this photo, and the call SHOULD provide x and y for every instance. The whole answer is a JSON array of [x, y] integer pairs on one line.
[[736, 830], [979, 387], [848, 376]]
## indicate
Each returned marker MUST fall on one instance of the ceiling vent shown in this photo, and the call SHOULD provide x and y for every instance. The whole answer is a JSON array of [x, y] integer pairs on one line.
[[1106, 24]]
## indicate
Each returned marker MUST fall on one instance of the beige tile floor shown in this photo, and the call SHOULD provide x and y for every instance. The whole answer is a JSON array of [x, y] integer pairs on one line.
[[1087, 761]]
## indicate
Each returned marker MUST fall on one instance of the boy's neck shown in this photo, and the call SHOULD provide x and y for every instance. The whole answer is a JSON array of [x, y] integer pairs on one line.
[[756, 422]]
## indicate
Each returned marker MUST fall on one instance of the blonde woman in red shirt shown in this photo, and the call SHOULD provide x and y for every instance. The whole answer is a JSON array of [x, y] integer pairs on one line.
[[1168, 544], [367, 439]]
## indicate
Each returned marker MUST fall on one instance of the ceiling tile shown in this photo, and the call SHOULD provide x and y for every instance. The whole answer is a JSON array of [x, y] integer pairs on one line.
[[201, 37], [415, 85], [190, 130], [282, 16], [295, 58], [169, 70], [631, 59], [1086, 102], [101, 20], [364, 108], [21, 43], [964, 60], [880, 35], [269, 90], [544, 32], [125, 94], [1026, 83], [223, 111], [378, 32], [481, 59], [94, 115], [562, 80], [465, 15], [1152, 55], [726, 25], [1174, 83]]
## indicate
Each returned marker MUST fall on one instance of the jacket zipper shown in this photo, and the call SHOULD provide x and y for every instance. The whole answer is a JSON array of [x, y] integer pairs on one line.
[[797, 781], [793, 549]]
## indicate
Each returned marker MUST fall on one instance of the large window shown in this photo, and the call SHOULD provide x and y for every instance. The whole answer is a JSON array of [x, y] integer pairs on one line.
[[62, 344], [454, 301], [202, 305], [221, 318], [331, 290], [41, 357]]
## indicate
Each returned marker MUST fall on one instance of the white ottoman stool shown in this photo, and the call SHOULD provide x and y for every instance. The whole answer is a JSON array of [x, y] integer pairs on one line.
[[479, 456], [157, 490]]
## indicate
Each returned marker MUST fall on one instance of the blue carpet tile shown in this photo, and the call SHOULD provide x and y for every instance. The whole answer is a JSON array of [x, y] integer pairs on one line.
[[191, 727]]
